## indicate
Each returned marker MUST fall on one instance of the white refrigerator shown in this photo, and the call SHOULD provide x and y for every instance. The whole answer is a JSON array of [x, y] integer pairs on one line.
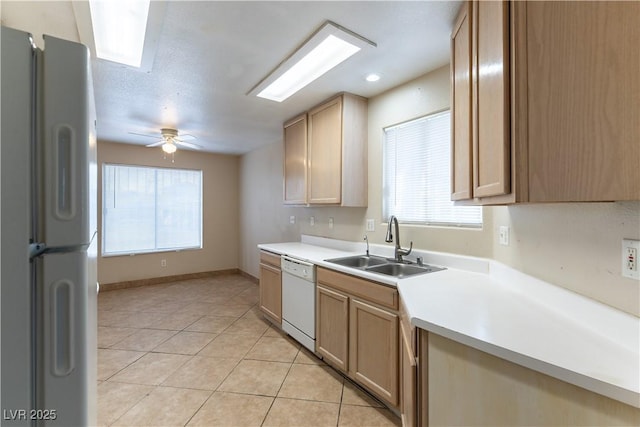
[[48, 229]]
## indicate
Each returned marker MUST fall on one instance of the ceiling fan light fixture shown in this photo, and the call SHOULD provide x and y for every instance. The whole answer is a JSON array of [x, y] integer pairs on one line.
[[169, 147], [325, 49]]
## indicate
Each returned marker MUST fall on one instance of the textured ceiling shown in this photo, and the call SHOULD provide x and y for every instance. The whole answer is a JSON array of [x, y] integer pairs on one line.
[[210, 54]]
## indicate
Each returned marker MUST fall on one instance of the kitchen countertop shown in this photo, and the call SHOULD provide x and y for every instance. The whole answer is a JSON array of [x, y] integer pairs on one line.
[[503, 312]]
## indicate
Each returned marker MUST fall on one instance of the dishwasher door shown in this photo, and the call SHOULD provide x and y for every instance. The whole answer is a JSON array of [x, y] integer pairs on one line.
[[299, 301]]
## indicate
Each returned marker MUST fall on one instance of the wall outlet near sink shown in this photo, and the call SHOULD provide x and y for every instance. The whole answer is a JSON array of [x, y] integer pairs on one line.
[[312, 221], [630, 251]]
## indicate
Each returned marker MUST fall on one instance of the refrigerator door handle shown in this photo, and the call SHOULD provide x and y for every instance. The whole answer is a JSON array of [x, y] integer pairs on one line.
[[39, 249], [65, 173], [62, 326]]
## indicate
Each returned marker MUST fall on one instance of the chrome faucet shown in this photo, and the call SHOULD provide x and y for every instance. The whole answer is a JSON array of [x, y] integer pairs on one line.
[[366, 239], [399, 252]]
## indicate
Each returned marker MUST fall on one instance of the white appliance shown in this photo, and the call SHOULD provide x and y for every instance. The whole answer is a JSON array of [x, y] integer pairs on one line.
[[48, 228], [299, 300]]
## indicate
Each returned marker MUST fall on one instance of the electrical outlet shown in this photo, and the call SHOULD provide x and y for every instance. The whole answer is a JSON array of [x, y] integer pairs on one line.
[[163, 263], [312, 221], [630, 250], [504, 235], [371, 224], [292, 219], [330, 222]]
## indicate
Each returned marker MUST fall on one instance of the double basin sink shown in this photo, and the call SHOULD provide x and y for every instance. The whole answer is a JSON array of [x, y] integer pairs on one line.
[[380, 265]]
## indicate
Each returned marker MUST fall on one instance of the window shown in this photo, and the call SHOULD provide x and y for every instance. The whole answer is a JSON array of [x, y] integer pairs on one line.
[[150, 209], [417, 174]]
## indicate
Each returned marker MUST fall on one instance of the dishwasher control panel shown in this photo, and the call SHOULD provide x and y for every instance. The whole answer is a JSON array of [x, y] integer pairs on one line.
[[298, 268]]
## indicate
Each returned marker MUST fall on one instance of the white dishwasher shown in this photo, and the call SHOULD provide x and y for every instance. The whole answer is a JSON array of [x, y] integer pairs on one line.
[[299, 300]]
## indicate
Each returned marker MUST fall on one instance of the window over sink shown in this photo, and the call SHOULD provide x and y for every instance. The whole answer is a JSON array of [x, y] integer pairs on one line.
[[150, 209], [417, 174]]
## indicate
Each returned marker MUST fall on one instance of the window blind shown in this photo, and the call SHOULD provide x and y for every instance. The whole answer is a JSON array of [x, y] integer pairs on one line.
[[417, 174], [150, 209]]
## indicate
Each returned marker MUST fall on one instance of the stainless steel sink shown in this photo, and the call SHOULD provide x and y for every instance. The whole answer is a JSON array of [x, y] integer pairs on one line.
[[380, 265], [359, 261], [403, 270]]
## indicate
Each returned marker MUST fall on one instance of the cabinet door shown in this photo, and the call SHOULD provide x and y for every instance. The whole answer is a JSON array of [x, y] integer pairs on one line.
[[271, 292], [461, 140], [373, 349], [325, 153], [583, 62], [409, 379], [295, 161], [491, 118], [332, 327]]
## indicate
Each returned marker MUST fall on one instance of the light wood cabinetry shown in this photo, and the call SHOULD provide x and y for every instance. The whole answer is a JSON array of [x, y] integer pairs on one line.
[[373, 349], [357, 331], [295, 161], [271, 286], [326, 154], [332, 324], [470, 387], [582, 123], [553, 105], [461, 132], [490, 100], [408, 371], [480, 101]]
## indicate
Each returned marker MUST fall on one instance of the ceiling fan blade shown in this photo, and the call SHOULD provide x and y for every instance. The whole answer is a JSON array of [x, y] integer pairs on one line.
[[156, 144], [145, 135], [188, 145], [186, 137]]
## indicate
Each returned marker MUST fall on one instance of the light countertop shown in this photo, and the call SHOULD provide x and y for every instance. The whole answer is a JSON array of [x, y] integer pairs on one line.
[[498, 310]]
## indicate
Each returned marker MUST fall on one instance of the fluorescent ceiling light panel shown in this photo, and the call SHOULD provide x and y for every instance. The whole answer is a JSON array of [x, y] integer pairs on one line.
[[328, 47], [119, 29]]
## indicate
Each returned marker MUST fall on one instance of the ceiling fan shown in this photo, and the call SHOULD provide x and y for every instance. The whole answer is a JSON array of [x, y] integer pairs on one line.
[[169, 140]]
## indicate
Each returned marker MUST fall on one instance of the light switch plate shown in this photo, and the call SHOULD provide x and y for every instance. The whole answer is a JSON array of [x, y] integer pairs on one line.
[[371, 224], [504, 235]]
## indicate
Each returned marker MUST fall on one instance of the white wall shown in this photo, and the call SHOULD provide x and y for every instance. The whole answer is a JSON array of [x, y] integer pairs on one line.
[[576, 246]]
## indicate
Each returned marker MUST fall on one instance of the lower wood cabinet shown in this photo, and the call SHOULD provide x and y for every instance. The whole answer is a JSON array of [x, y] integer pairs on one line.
[[408, 372], [271, 286], [332, 337], [358, 335], [373, 349]]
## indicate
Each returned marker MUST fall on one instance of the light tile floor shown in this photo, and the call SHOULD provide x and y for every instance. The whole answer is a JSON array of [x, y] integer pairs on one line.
[[199, 353]]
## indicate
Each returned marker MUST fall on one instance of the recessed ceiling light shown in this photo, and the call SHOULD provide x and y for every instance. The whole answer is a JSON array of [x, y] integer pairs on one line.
[[372, 77], [326, 48]]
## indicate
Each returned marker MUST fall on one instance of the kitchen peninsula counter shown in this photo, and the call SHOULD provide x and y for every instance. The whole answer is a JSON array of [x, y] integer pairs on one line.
[[503, 312]]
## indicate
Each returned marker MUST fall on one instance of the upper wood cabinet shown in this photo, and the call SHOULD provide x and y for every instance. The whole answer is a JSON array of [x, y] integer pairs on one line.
[[461, 132], [295, 160], [326, 149], [583, 93], [480, 100], [554, 102]]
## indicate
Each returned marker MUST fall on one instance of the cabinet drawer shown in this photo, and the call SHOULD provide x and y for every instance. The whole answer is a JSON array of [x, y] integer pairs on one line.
[[269, 258], [377, 293]]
